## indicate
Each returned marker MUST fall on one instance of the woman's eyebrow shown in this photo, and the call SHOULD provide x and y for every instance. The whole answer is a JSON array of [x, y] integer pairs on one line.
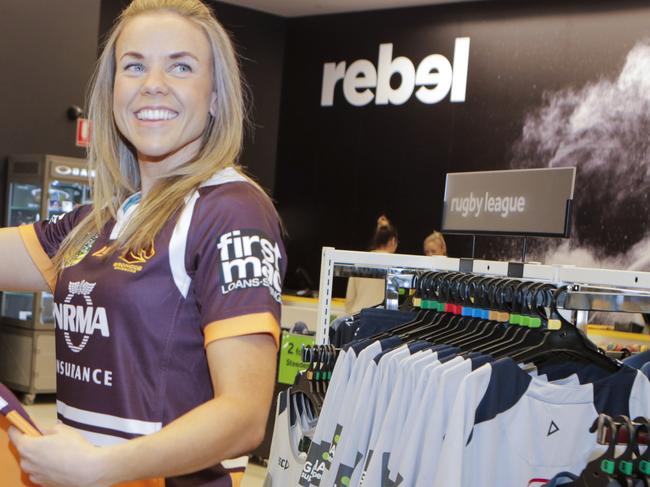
[[182, 54], [134, 54]]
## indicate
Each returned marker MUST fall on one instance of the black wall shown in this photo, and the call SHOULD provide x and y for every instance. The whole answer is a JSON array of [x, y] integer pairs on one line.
[[260, 41], [47, 54], [532, 67]]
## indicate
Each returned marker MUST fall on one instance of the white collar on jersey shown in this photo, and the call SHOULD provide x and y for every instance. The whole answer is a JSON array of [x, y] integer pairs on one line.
[[223, 176], [227, 175]]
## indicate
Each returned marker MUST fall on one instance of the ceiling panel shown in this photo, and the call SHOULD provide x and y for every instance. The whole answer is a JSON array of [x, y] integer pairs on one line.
[[299, 8]]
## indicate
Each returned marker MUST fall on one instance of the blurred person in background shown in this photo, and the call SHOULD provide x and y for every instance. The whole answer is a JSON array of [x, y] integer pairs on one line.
[[435, 244], [365, 292]]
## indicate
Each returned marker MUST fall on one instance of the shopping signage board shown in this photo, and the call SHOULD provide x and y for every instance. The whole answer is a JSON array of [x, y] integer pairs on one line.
[[291, 356], [534, 202]]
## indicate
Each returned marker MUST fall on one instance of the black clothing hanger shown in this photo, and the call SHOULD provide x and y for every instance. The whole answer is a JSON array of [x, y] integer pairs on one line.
[[601, 471], [509, 295], [430, 287], [641, 463], [569, 340], [625, 461]]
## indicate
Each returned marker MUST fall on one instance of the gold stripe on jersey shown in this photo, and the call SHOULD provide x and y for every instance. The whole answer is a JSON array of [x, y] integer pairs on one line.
[[249, 324], [22, 424], [143, 483], [236, 478], [38, 255]]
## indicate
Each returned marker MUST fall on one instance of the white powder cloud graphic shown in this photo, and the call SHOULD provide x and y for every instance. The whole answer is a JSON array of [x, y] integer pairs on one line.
[[603, 129]]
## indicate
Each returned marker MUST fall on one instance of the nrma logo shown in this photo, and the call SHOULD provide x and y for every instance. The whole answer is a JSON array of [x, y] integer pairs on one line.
[[249, 259], [432, 79], [80, 321]]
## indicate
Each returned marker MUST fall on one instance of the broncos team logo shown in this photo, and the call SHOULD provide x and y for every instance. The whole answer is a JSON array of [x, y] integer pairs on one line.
[[139, 257], [132, 261]]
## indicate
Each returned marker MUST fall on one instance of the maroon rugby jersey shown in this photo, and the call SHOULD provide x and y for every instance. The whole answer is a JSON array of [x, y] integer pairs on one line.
[[131, 328]]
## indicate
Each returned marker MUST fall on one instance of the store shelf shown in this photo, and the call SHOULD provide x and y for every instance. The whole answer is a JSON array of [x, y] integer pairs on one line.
[[604, 299], [343, 270]]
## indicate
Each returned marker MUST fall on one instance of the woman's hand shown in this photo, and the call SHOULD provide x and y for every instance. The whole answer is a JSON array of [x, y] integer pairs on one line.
[[62, 457]]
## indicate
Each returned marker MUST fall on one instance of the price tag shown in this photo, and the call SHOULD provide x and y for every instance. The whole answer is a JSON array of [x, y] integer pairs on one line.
[[290, 356]]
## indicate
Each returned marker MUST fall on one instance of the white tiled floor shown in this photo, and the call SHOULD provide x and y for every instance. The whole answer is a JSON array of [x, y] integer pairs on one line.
[[44, 414]]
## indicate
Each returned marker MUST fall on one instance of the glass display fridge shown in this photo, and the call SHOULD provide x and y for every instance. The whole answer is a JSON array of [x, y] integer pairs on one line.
[[38, 187]]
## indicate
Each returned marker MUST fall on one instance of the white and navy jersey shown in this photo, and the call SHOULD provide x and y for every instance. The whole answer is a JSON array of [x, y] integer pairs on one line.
[[510, 429], [414, 456], [285, 460], [377, 384], [375, 471], [351, 397], [435, 422], [352, 429], [315, 464], [411, 426], [390, 374], [132, 327], [411, 444]]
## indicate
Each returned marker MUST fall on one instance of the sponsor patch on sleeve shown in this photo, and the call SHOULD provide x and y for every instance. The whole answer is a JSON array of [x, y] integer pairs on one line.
[[249, 259]]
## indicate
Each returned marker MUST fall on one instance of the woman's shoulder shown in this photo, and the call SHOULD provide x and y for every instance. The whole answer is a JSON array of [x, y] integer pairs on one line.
[[233, 195]]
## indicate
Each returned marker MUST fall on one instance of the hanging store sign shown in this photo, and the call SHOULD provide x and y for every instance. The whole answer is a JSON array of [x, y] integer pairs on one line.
[[535, 202]]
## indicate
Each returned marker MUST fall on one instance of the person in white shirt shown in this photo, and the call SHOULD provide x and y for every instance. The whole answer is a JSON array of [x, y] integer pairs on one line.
[[363, 292]]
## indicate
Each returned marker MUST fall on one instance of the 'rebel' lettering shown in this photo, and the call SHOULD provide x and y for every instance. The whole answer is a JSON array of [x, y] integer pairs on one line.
[[432, 80]]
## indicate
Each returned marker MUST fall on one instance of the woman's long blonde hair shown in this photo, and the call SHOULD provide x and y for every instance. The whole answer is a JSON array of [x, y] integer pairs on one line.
[[114, 160]]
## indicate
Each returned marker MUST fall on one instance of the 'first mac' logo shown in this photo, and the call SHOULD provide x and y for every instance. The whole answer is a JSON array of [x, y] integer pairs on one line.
[[249, 259]]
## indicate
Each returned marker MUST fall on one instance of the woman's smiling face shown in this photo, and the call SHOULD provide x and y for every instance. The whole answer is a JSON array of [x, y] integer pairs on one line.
[[163, 90]]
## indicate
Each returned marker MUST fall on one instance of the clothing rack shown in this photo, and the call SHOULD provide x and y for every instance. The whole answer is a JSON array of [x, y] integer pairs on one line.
[[590, 289]]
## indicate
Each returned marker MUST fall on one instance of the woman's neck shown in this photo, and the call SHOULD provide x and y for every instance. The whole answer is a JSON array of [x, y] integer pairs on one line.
[[154, 168]]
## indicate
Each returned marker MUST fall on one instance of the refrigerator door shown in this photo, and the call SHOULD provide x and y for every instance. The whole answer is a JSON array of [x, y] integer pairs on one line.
[[24, 204], [24, 208], [65, 196]]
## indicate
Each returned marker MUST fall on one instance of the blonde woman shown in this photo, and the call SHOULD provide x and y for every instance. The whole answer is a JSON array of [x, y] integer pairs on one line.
[[435, 244], [166, 289]]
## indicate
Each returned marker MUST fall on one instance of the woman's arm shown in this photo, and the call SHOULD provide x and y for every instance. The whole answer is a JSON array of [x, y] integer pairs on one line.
[[18, 272], [351, 295], [228, 426]]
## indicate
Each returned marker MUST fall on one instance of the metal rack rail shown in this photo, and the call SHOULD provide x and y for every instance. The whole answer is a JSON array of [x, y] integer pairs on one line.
[[591, 289]]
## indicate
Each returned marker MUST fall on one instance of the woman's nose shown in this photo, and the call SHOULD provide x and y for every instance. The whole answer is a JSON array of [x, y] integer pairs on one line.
[[154, 83]]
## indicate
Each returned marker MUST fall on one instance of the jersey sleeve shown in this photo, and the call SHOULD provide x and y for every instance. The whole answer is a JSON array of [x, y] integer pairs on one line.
[[43, 239], [237, 262]]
